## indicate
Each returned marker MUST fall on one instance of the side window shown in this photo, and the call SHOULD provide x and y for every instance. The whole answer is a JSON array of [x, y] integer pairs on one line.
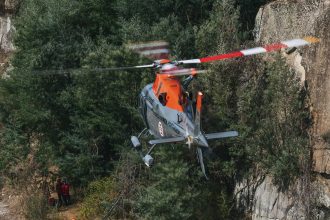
[[162, 98], [180, 119]]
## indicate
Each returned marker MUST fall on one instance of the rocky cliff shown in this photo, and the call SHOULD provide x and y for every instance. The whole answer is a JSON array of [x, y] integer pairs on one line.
[[7, 8], [310, 197]]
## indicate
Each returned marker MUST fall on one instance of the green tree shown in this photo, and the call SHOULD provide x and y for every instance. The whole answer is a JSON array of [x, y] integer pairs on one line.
[[276, 119], [77, 116], [221, 32], [248, 11], [170, 192]]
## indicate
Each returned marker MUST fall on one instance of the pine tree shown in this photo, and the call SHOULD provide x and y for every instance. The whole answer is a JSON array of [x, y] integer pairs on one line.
[[170, 192]]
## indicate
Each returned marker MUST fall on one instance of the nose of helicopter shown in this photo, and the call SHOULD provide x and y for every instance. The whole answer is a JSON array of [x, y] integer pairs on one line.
[[193, 134], [201, 140]]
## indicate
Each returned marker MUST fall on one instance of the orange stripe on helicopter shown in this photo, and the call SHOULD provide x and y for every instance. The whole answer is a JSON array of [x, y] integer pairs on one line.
[[170, 88], [199, 101]]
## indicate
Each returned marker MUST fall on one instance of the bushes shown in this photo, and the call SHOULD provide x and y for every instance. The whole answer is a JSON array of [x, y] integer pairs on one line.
[[98, 192], [276, 117], [170, 194], [35, 206], [111, 197]]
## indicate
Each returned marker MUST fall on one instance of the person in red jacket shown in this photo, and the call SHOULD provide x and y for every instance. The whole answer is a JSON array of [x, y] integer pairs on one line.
[[58, 187], [65, 191]]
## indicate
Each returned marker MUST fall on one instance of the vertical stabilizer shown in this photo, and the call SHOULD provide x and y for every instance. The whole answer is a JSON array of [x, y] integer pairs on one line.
[[201, 162], [197, 128]]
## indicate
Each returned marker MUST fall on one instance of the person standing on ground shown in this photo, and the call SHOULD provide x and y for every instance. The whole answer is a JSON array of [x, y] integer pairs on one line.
[[66, 192], [58, 187]]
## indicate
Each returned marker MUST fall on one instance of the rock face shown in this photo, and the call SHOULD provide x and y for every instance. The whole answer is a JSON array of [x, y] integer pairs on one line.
[[7, 8], [261, 200], [6, 34], [281, 20]]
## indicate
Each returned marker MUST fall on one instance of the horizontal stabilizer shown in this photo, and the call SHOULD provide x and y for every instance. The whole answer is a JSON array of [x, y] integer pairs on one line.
[[167, 140], [219, 135]]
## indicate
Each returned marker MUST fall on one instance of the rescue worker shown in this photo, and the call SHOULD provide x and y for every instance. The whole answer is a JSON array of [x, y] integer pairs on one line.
[[66, 192], [58, 187]]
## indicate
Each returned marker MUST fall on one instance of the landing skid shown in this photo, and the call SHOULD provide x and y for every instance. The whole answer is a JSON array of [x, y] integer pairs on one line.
[[147, 159]]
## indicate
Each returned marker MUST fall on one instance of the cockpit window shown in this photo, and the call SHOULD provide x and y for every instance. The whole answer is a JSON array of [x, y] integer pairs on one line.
[[162, 98]]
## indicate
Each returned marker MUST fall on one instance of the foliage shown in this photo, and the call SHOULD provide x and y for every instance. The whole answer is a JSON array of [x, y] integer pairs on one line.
[[170, 193], [98, 192], [174, 21], [223, 204], [222, 27], [248, 11], [36, 207], [112, 197], [56, 109], [221, 87], [13, 148], [276, 118], [52, 34]]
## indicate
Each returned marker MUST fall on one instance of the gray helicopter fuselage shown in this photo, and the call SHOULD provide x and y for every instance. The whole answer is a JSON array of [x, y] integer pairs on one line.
[[162, 121]]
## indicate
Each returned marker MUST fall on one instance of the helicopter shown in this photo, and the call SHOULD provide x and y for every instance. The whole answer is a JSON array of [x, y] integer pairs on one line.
[[167, 108], [169, 112]]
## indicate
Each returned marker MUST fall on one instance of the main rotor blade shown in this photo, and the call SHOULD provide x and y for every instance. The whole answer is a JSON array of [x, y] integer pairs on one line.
[[80, 70], [184, 72], [122, 68], [256, 50]]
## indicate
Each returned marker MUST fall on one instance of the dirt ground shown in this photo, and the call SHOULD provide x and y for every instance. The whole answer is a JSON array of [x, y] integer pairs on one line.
[[11, 209], [65, 213], [4, 211], [9, 205]]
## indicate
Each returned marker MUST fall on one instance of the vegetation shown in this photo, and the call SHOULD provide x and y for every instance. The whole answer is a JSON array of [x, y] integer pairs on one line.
[[54, 112], [278, 135], [35, 206]]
